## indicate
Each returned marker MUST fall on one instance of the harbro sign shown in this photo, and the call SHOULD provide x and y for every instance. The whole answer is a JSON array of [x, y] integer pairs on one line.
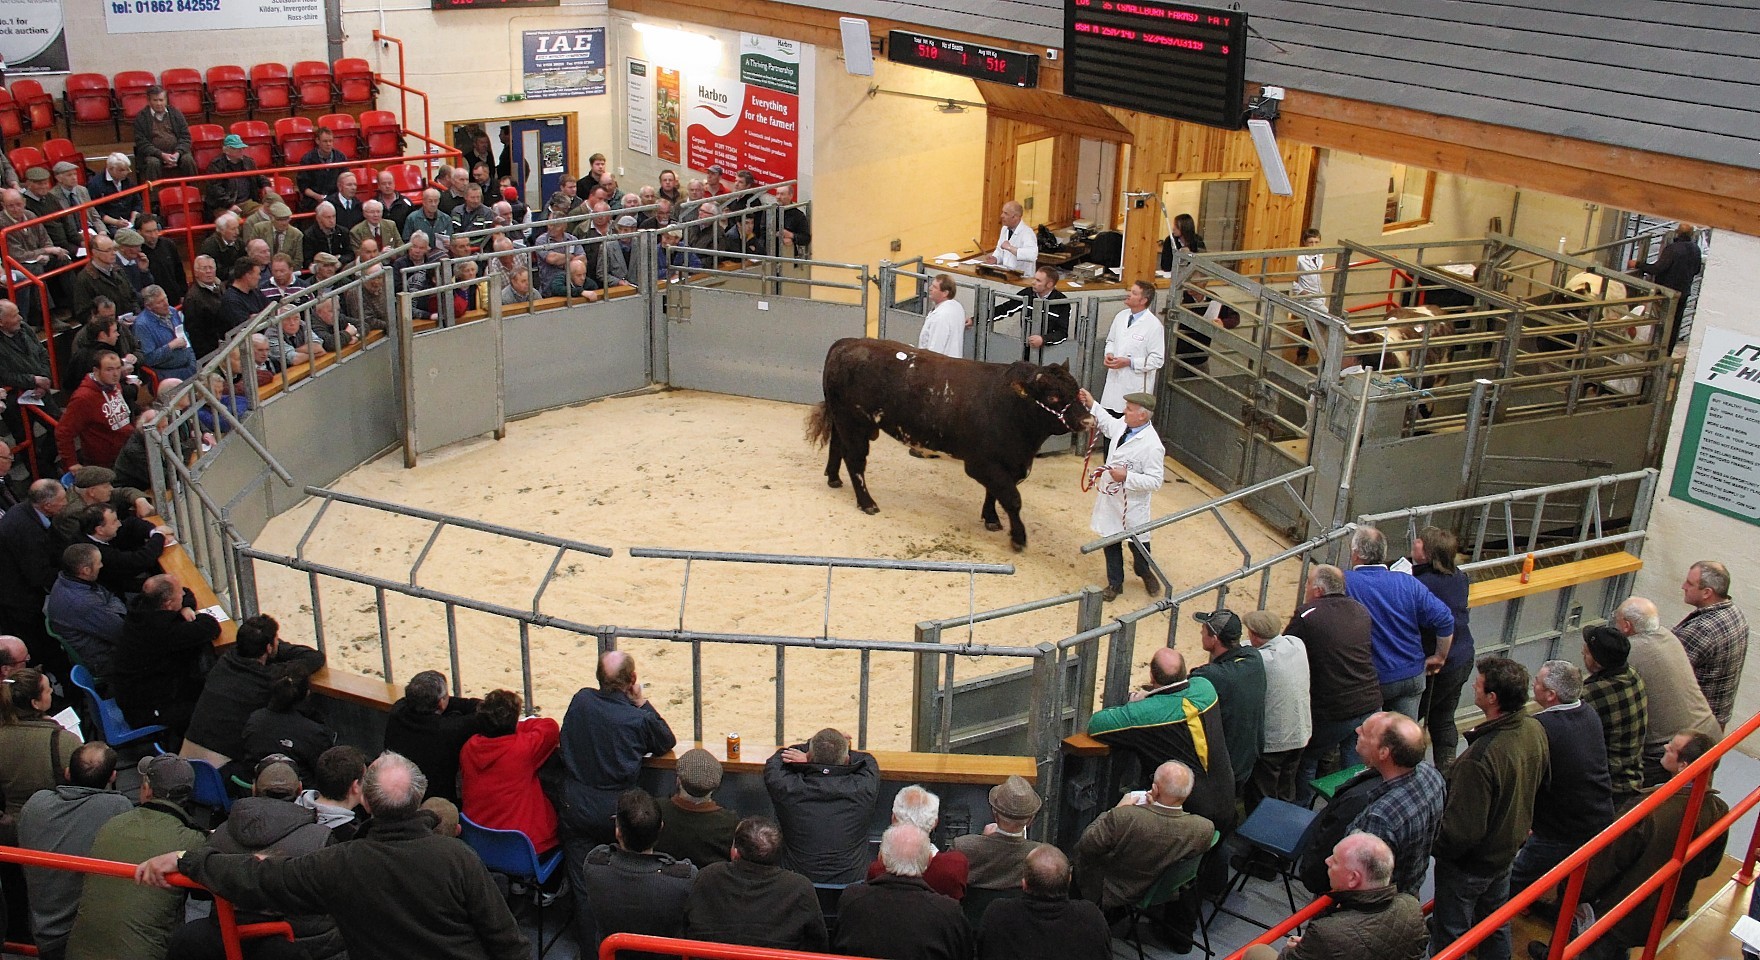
[[1719, 463], [752, 122]]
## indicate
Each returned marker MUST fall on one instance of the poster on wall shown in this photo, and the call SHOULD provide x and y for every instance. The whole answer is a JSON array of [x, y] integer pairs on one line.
[[666, 110], [564, 63], [751, 122], [639, 106], [1719, 463], [32, 41], [198, 16]]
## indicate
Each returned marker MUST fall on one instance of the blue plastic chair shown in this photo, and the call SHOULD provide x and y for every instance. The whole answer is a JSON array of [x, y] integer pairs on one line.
[[116, 729], [1281, 829], [210, 787], [511, 854]]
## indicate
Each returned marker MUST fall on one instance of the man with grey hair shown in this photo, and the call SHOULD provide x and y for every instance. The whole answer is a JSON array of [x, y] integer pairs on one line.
[[327, 234], [1575, 801], [1714, 634], [1344, 688], [1045, 924], [1369, 916], [947, 870], [518, 288], [1125, 850], [897, 915], [1672, 694], [226, 243], [364, 884], [430, 726], [824, 794], [1400, 610], [375, 227]]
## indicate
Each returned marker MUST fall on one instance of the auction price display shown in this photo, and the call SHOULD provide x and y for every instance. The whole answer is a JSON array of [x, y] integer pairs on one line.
[[965, 59], [1170, 59]]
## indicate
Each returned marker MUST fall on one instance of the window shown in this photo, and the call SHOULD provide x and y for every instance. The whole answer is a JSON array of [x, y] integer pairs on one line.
[[1217, 204], [1409, 190]]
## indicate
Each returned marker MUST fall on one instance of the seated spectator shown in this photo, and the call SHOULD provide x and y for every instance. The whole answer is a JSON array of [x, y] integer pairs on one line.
[[287, 726], [102, 276], [395, 206], [897, 915], [1045, 924], [498, 771], [455, 182], [161, 138], [131, 260], [335, 793], [164, 258], [997, 857], [315, 185], [279, 233], [326, 235], [1369, 916], [1168, 717], [243, 190], [1125, 850], [824, 795], [575, 284], [418, 270], [102, 332], [87, 617], [661, 217], [946, 873], [429, 218], [445, 815], [518, 288], [204, 312], [283, 280], [125, 561], [472, 214], [368, 302], [466, 299], [430, 727], [239, 684], [631, 888], [116, 917], [346, 204], [375, 227], [34, 249], [97, 420], [751, 900], [512, 255], [1399, 798], [676, 263], [241, 301], [91, 487], [257, 251], [164, 346], [697, 828], [34, 749], [553, 249], [332, 331], [293, 342], [66, 819]]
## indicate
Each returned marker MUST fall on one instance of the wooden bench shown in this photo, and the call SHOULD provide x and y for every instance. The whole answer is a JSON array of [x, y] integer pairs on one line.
[[894, 764]]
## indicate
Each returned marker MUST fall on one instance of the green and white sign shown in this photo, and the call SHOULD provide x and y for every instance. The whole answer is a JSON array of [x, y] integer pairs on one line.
[[1719, 464]]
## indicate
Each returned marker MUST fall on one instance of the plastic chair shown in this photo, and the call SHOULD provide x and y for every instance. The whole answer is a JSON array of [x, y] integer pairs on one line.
[[181, 207], [511, 854], [384, 135], [73, 655], [204, 140], [347, 133], [295, 136], [259, 144], [286, 189], [1174, 880], [25, 158], [407, 178], [271, 88], [1282, 830], [131, 92], [229, 92], [59, 149], [1328, 786], [830, 896], [311, 81], [210, 790], [36, 103], [11, 117], [88, 101], [116, 729], [183, 87], [354, 81]]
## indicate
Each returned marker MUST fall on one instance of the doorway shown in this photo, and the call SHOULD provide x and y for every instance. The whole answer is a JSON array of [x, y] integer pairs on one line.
[[536, 151]]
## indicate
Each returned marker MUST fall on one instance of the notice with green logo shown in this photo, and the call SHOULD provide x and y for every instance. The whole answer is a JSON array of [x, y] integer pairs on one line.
[[1719, 463]]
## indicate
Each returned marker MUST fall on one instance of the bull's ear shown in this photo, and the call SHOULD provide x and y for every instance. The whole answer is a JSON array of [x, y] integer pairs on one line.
[[1064, 366], [1018, 387]]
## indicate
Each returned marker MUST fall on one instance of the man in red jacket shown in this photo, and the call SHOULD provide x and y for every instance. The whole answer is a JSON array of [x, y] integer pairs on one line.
[[97, 421]]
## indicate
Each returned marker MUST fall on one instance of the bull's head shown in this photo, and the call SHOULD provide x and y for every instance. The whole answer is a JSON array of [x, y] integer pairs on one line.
[[1054, 390]]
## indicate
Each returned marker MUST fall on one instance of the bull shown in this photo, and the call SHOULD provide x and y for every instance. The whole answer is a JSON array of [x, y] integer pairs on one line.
[[992, 416]]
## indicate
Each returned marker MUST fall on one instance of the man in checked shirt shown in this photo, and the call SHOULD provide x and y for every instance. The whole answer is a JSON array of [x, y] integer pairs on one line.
[[1715, 635]]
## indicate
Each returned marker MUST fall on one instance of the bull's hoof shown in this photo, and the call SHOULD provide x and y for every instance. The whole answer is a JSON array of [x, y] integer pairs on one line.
[[833, 482], [993, 525], [871, 510], [1018, 545]]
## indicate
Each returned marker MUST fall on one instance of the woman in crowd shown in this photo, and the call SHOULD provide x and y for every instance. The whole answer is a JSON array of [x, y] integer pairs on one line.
[[34, 749], [284, 726], [499, 771], [1433, 565]]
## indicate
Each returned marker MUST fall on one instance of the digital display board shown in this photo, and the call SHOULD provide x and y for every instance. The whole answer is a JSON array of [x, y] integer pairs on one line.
[[965, 59], [1170, 59]]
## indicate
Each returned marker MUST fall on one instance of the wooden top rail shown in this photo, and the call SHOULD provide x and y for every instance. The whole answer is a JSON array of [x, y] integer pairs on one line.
[[176, 561], [894, 764], [1548, 579]]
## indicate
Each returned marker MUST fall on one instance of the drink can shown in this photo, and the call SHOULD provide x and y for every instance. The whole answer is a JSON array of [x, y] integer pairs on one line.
[[733, 746]]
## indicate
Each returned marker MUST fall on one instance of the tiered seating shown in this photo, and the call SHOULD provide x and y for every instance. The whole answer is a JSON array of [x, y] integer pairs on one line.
[[347, 132], [24, 158], [258, 144], [408, 180], [204, 141], [285, 189], [228, 92], [384, 135], [311, 81], [88, 100], [366, 179], [37, 105], [12, 122], [294, 135], [354, 81], [183, 87], [181, 207], [55, 151], [131, 92], [271, 88]]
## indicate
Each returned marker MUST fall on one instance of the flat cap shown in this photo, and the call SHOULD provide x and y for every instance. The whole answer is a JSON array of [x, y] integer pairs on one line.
[[1144, 400], [1263, 623], [36, 174], [88, 477], [129, 237], [328, 259], [626, 221], [279, 211], [699, 773], [65, 166]]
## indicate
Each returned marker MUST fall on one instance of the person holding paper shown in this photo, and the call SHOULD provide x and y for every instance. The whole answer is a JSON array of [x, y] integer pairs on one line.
[[1016, 248]]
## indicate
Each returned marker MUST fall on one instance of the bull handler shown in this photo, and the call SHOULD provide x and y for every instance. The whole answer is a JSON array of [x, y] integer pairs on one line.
[[1125, 485]]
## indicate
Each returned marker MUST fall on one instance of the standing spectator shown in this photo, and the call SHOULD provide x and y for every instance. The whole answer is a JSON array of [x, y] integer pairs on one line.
[[997, 858], [117, 918], [1288, 723], [65, 819], [28, 567], [1238, 675], [85, 615], [631, 888], [696, 828], [1616, 693], [824, 795], [1433, 554], [498, 771], [161, 138], [944, 328], [1128, 848], [1136, 348], [1399, 798], [897, 915], [1045, 924], [1158, 723], [239, 684], [1715, 635], [1490, 808], [1369, 916], [97, 420], [751, 900], [1575, 801], [431, 727], [947, 870], [1400, 609], [1672, 695], [34, 749], [1676, 267], [797, 229]]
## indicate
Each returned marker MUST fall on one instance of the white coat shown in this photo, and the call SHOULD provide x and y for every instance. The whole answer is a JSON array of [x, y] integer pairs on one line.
[[1120, 505], [1145, 343], [1025, 258], [944, 329]]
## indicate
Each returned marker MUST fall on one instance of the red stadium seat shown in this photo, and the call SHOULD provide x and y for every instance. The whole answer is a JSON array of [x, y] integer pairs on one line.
[[366, 180], [228, 92], [55, 151], [131, 92], [184, 88], [294, 136], [384, 135], [354, 81], [285, 189], [347, 133], [408, 179], [11, 118], [204, 140], [180, 207], [271, 88], [25, 158], [88, 100], [258, 144], [37, 105], [311, 80]]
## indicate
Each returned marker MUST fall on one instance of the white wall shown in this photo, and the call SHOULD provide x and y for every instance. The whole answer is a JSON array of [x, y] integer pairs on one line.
[[91, 48], [1682, 532]]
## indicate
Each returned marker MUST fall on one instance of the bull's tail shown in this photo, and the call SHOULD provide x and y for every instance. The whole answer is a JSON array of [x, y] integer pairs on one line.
[[819, 426]]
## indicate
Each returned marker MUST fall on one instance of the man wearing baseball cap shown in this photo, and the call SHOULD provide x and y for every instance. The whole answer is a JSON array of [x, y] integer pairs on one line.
[[1238, 675], [242, 190], [1125, 485]]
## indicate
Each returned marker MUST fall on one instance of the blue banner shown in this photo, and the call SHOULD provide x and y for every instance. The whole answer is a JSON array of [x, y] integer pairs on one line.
[[564, 63]]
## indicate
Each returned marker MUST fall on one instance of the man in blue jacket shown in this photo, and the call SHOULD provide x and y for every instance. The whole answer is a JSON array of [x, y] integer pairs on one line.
[[1400, 608]]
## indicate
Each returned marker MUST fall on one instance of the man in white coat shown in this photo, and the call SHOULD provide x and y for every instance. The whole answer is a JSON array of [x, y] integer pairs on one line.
[[1136, 348], [944, 329], [1017, 248], [1124, 486]]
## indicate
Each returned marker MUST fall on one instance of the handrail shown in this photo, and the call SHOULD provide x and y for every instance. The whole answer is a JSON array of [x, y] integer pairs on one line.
[[699, 950], [231, 931]]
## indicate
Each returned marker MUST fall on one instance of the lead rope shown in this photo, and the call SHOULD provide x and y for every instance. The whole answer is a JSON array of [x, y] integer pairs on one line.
[[1090, 479]]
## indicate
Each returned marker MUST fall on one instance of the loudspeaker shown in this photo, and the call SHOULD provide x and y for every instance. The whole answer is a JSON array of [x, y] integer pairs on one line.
[[858, 53], [1270, 160]]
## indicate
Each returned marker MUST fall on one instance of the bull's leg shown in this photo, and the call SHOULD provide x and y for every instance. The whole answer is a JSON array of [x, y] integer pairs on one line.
[[854, 439], [1008, 494], [989, 514], [833, 458], [1001, 487]]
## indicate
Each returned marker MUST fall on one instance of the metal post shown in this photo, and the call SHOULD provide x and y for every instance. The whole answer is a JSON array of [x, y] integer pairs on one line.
[[925, 678], [1045, 719], [1119, 660], [1473, 461]]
